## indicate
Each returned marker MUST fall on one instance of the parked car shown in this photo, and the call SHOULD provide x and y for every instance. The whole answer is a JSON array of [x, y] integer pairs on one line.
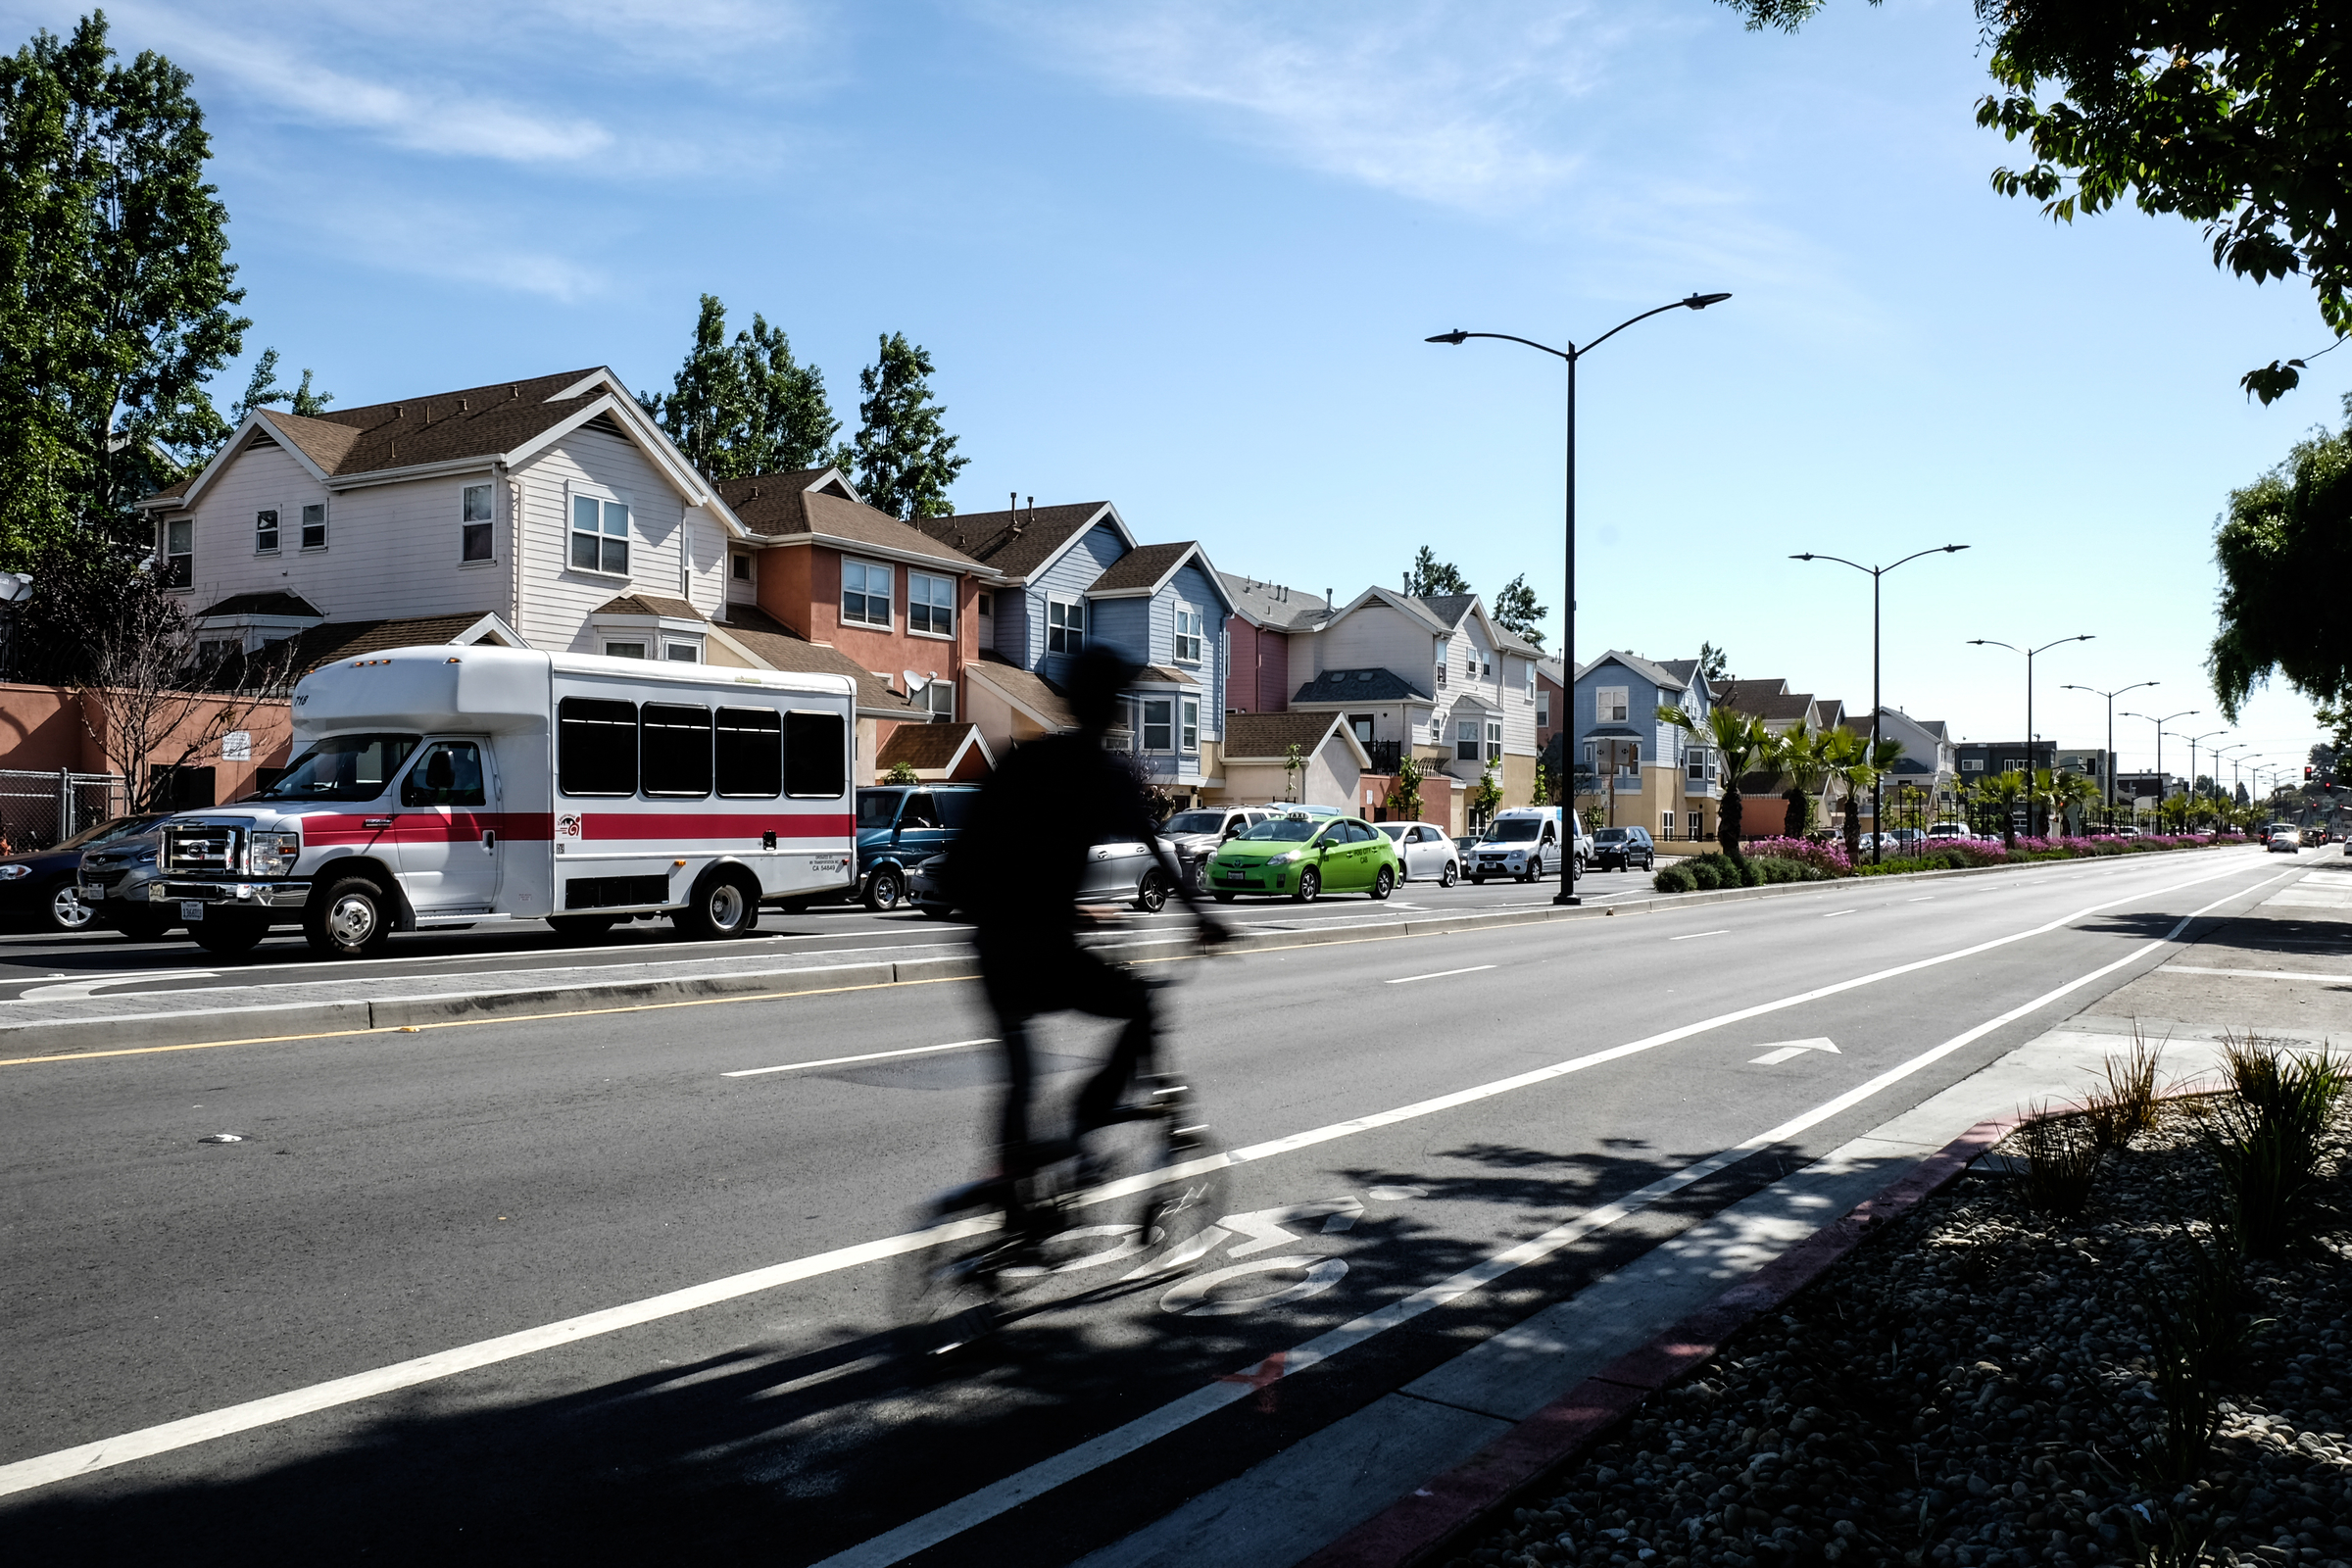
[[1897, 840], [1305, 856], [1196, 834], [2283, 838], [1124, 871], [1950, 830], [1624, 849], [46, 883], [900, 827], [1427, 855], [114, 878], [1523, 842]]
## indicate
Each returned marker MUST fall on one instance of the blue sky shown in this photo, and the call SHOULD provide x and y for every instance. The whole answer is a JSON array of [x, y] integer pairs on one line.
[[1183, 256]]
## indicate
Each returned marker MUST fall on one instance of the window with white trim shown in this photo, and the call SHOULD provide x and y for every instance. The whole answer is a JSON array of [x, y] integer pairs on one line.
[[1543, 709], [1494, 740], [600, 535], [930, 604], [473, 525], [1192, 724], [1465, 739], [264, 532], [1609, 704], [940, 697], [740, 566], [624, 649], [1065, 627], [1531, 680], [179, 551], [1697, 764], [1159, 724], [1187, 634], [864, 593], [313, 525], [683, 653], [988, 604], [1666, 823]]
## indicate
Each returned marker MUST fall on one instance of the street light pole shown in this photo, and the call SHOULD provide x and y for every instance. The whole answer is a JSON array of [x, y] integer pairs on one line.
[[2192, 758], [1571, 353], [1989, 642], [2185, 712], [1877, 833], [2111, 697]]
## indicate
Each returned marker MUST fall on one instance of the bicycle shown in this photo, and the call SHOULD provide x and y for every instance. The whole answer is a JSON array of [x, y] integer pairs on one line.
[[1007, 1248]]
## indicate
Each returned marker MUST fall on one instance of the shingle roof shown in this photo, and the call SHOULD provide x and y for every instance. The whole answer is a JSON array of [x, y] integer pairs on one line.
[[1448, 608], [1271, 603], [782, 650], [275, 603], [1014, 543], [347, 639], [1651, 670], [1685, 671], [1512, 642], [1026, 687], [780, 506], [1358, 686], [649, 605], [1260, 737], [1165, 677], [923, 747], [1142, 568]]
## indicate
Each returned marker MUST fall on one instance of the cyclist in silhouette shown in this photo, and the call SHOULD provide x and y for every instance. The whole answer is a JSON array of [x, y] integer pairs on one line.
[[1015, 869]]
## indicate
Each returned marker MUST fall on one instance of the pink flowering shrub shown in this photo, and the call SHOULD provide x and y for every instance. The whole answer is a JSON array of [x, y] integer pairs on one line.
[[1829, 857]]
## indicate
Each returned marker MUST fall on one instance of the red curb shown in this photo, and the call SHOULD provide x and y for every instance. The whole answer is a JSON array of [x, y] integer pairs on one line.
[[1412, 1529]]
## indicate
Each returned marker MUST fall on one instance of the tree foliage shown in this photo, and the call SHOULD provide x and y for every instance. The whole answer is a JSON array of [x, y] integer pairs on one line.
[[1515, 610], [1743, 745], [2231, 113], [1715, 664], [1428, 577], [746, 406], [262, 390], [2285, 553], [905, 459], [116, 290]]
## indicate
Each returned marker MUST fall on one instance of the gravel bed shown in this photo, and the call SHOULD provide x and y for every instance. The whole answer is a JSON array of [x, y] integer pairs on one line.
[[1963, 1388]]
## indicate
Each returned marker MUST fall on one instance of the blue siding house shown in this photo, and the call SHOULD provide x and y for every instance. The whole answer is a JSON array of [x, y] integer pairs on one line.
[[1630, 768]]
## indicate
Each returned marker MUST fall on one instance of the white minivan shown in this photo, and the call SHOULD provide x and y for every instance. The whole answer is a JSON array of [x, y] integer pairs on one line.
[[1523, 843]]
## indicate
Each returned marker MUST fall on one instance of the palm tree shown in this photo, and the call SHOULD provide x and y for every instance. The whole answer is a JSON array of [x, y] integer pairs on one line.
[[1741, 745], [1800, 761], [2070, 789], [2004, 792], [1855, 762]]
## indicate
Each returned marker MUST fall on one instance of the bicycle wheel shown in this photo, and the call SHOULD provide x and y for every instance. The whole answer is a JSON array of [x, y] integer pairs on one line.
[[947, 1293], [1168, 1179]]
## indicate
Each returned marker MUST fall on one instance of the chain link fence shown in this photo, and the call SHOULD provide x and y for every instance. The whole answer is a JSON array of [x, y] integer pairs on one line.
[[40, 809]]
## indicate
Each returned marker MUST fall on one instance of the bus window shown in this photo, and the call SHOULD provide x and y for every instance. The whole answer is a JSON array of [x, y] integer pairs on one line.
[[675, 742], [813, 759], [751, 753], [596, 746]]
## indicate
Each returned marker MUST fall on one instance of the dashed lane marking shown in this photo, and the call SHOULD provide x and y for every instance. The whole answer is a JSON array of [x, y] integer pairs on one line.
[[871, 1055]]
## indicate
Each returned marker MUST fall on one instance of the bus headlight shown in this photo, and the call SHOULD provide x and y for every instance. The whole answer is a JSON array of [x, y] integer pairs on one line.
[[274, 853]]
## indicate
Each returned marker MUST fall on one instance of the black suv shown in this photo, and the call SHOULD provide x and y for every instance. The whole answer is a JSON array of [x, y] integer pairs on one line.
[[1622, 848]]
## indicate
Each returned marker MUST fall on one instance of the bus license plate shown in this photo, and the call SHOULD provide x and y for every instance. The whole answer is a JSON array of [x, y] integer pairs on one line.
[[190, 910]]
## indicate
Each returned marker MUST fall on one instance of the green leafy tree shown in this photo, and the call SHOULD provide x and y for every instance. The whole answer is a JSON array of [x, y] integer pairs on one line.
[[1487, 797], [1294, 768], [1515, 610], [1404, 795], [744, 407], [1797, 757], [1546, 791], [1743, 745], [1715, 664], [116, 289], [2005, 795], [2285, 553], [901, 772], [905, 459], [2231, 113], [262, 390], [1428, 577]]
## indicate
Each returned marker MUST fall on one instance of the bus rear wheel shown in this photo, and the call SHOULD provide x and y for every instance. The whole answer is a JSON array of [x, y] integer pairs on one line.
[[725, 905]]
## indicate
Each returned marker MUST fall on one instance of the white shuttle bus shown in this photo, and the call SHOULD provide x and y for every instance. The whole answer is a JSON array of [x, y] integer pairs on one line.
[[463, 785]]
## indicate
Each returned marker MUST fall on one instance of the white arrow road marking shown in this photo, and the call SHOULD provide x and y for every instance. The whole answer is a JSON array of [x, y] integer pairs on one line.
[[1264, 1226], [1793, 1049], [82, 990]]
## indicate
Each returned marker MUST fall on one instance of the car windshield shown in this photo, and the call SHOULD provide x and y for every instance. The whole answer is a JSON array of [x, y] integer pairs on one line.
[[1610, 835], [1282, 830], [1196, 822], [877, 808], [348, 768], [106, 832], [1396, 830], [1518, 831]]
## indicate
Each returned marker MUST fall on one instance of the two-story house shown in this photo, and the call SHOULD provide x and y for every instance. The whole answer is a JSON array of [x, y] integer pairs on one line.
[[1918, 788], [1633, 769], [552, 513], [1266, 615], [1062, 576]]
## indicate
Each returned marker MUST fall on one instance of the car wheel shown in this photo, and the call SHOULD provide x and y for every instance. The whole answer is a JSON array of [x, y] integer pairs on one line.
[[1151, 893], [65, 910], [580, 927], [725, 904], [350, 921], [141, 926], [1222, 898], [229, 936], [884, 889], [1649, 861], [1383, 885], [1451, 875], [1310, 886]]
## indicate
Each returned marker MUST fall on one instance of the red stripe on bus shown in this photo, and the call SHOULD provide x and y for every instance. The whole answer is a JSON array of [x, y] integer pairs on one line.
[[676, 825]]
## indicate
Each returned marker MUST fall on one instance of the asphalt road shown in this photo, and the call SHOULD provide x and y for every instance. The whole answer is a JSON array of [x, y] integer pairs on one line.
[[401, 1197]]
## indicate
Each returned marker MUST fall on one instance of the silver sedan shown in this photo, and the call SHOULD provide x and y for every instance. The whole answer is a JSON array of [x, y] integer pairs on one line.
[[1429, 855]]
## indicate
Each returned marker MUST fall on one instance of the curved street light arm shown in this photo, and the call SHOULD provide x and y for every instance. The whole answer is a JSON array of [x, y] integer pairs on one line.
[[2084, 638], [1993, 642], [1678, 304], [1933, 549], [1458, 336], [1840, 560]]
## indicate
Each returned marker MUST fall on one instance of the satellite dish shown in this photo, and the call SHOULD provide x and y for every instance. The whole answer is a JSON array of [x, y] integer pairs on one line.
[[915, 682]]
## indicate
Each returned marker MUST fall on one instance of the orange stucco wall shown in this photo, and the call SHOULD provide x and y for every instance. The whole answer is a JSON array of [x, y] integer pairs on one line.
[[802, 587], [44, 728]]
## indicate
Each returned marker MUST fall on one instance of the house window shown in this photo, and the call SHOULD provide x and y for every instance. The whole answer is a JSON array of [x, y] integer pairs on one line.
[[741, 568], [1188, 635], [264, 532], [600, 535], [1494, 740], [940, 697], [865, 594], [1609, 705], [1695, 764], [1158, 725], [683, 653], [1440, 677], [179, 551], [1530, 682], [1470, 664], [1974, 764], [624, 649], [1065, 625], [1361, 723], [1192, 724], [930, 604], [1666, 823], [313, 525], [988, 604], [1544, 710], [473, 525], [1465, 739]]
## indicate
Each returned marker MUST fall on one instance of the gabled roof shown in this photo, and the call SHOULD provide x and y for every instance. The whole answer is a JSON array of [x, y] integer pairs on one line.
[[1685, 671], [649, 605], [274, 603], [323, 644], [818, 506], [1017, 545], [1413, 608], [1741, 693], [1031, 693], [1450, 608], [1360, 686], [937, 750], [1768, 700], [1651, 670], [1269, 737], [505, 421], [1510, 642], [1271, 604]]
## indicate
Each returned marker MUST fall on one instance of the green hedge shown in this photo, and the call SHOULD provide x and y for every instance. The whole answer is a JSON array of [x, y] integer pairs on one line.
[[1703, 872]]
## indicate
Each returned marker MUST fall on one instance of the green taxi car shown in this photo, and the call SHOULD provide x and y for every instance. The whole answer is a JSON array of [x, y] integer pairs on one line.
[[1304, 857]]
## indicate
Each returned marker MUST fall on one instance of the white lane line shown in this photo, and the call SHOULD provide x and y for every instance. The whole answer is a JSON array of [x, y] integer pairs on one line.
[[64, 1463], [871, 1055], [1834, 914], [1408, 979], [2256, 974], [1929, 899], [942, 1524], [1695, 935]]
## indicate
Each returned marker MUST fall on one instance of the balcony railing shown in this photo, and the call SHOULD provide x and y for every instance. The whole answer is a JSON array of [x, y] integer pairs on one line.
[[1386, 755]]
